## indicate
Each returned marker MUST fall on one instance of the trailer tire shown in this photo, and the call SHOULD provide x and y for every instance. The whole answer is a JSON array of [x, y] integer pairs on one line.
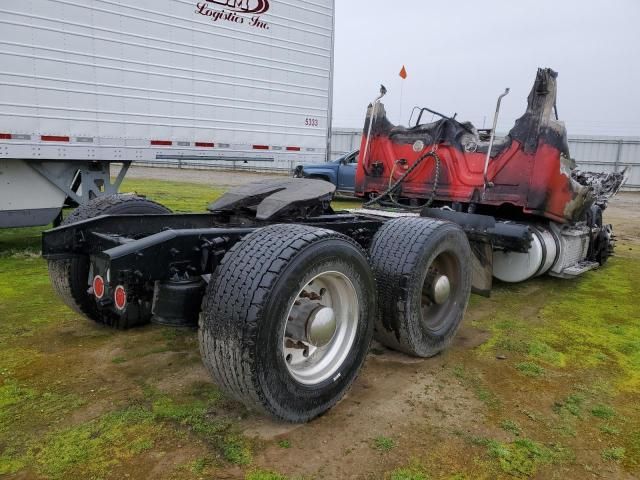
[[423, 274], [70, 277], [259, 287]]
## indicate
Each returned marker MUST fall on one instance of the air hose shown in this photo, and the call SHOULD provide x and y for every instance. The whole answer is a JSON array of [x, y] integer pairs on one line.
[[392, 188]]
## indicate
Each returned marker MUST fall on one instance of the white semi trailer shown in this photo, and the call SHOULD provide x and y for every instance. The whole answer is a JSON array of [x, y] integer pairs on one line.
[[87, 84]]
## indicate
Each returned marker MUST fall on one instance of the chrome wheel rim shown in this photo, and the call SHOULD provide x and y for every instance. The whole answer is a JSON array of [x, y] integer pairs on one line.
[[321, 327]]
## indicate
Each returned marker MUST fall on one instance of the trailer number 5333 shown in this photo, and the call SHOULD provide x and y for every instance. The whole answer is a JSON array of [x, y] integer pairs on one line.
[[312, 122]]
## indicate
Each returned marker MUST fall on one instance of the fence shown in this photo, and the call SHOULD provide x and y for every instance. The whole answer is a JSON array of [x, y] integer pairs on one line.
[[592, 153]]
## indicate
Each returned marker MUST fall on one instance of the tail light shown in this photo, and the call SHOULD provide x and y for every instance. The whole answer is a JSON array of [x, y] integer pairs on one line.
[[98, 287], [120, 297]]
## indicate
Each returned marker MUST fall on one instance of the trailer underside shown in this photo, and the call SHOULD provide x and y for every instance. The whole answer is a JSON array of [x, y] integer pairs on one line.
[[34, 191]]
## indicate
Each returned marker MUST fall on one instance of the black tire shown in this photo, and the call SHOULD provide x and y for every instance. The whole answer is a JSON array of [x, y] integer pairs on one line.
[[70, 278], [407, 255], [246, 307]]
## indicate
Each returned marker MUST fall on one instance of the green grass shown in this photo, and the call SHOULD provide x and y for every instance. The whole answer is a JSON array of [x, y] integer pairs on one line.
[[523, 457], [585, 324], [573, 405], [264, 475], [604, 412], [614, 454], [384, 444], [408, 473], [545, 353], [594, 323], [20, 242], [178, 196], [577, 342], [511, 427], [91, 449], [632, 448], [530, 369], [199, 465], [609, 429], [581, 337], [192, 412]]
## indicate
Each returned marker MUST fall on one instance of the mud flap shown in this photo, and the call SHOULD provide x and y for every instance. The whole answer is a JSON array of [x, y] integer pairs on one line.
[[481, 268]]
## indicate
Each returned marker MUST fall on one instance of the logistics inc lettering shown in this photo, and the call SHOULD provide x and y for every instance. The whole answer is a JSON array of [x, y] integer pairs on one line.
[[243, 12]]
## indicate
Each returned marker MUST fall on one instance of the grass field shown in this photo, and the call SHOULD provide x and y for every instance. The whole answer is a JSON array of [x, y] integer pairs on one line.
[[543, 381]]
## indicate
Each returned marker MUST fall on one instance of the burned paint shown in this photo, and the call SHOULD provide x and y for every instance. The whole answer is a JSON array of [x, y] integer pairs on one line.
[[529, 170]]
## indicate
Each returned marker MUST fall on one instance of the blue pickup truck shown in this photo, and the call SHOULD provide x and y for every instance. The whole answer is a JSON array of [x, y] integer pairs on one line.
[[341, 172]]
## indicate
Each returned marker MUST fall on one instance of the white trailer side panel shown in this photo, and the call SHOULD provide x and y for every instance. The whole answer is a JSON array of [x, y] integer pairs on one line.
[[157, 80]]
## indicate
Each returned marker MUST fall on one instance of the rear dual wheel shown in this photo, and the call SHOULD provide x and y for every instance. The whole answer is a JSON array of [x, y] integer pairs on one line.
[[423, 272], [285, 322], [71, 278]]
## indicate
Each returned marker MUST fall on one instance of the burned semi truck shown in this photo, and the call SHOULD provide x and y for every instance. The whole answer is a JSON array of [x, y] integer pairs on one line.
[[288, 293], [526, 183]]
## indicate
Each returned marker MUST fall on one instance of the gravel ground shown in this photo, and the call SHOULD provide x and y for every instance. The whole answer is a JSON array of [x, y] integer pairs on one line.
[[214, 178]]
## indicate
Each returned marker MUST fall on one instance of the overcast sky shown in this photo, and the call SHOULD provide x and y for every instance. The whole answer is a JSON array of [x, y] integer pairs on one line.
[[460, 55]]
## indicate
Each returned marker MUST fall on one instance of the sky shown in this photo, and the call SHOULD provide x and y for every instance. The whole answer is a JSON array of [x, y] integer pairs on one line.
[[460, 55]]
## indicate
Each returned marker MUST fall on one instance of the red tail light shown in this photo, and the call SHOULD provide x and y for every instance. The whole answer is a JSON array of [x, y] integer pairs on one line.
[[120, 297], [98, 287]]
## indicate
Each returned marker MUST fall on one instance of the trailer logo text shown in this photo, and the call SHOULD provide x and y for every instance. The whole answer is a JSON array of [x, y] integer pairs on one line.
[[246, 12]]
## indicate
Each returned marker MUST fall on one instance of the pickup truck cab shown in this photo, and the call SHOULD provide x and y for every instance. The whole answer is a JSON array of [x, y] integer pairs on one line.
[[341, 172]]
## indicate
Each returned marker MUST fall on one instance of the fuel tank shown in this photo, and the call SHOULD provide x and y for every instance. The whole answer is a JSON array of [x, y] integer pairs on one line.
[[557, 250], [515, 267]]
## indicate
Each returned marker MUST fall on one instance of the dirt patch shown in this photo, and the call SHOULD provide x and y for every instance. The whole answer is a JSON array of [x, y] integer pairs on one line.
[[390, 399], [624, 213]]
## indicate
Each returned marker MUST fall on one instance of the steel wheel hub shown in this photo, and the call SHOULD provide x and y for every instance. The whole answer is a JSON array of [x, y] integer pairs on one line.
[[441, 289], [321, 328]]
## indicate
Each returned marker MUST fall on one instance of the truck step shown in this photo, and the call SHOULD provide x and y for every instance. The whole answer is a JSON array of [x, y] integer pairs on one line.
[[576, 269]]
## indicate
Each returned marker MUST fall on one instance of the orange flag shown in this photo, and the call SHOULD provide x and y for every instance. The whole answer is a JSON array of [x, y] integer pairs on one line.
[[403, 73]]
